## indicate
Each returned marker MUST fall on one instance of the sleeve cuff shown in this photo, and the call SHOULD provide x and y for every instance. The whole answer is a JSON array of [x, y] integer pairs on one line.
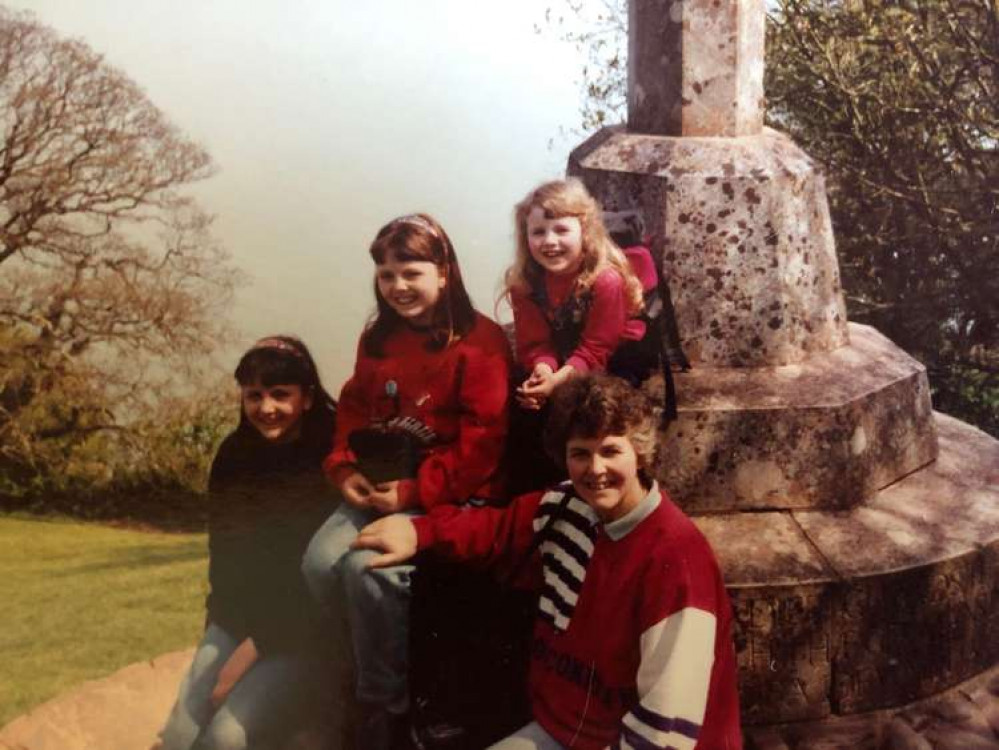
[[425, 532], [337, 472], [578, 364], [409, 493], [545, 360]]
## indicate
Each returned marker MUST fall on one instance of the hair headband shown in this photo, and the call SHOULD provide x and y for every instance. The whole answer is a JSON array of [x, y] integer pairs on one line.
[[418, 221], [280, 345]]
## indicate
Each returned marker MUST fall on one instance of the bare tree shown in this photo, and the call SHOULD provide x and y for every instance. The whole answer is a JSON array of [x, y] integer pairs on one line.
[[107, 271]]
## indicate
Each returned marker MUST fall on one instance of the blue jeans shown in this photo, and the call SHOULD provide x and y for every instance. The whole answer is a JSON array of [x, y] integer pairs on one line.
[[529, 737], [263, 709], [377, 604]]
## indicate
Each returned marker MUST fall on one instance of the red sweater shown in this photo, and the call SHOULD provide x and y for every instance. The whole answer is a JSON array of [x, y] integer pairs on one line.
[[632, 644], [607, 323], [460, 393]]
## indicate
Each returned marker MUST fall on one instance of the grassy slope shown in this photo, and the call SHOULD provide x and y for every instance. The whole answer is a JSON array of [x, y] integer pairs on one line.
[[79, 601]]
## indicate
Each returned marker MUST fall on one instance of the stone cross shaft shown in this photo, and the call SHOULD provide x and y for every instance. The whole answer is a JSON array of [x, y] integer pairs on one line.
[[695, 67]]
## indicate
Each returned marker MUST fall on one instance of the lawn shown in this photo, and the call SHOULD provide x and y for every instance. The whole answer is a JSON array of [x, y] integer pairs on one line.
[[79, 601]]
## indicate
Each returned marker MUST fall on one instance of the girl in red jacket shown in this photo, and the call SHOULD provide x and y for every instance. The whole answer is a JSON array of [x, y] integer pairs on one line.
[[579, 305], [577, 298], [421, 422]]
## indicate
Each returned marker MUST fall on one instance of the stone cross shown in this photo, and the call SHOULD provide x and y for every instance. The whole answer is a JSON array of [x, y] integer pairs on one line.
[[695, 67]]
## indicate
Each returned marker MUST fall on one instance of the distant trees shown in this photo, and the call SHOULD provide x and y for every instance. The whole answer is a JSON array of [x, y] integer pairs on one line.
[[900, 101], [110, 279]]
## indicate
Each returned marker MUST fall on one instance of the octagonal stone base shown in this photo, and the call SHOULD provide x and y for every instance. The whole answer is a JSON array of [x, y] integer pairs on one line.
[[826, 433], [892, 601], [742, 228]]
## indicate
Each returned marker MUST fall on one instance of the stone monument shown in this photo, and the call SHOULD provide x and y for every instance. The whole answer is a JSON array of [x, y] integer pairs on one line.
[[857, 529]]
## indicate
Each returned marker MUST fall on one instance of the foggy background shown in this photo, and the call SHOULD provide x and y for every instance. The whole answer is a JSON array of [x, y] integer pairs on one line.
[[328, 119]]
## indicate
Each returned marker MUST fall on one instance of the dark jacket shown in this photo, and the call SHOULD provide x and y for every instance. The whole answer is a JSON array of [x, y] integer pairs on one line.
[[266, 502]]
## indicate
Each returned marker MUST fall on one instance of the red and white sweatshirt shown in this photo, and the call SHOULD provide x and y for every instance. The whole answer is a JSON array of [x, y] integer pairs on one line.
[[460, 393], [632, 643]]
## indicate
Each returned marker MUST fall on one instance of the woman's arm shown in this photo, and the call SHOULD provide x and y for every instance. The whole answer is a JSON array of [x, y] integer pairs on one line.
[[494, 536], [679, 610]]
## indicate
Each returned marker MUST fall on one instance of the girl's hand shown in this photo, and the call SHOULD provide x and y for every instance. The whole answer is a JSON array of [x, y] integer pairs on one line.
[[537, 388], [357, 490], [391, 497], [232, 671], [393, 536], [534, 391]]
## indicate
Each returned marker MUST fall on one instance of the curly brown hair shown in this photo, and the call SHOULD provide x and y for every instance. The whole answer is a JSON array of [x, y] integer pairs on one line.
[[595, 405]]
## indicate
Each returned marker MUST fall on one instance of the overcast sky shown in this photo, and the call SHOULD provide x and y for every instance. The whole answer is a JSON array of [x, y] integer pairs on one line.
[[328, 118]]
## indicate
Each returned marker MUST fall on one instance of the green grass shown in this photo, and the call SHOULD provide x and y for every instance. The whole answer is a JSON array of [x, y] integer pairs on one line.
[[79, 601]]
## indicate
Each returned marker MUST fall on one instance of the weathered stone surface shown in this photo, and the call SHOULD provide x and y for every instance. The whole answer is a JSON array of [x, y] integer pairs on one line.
[[798, 436], [743, 231], [852, 732], [764, 738], [121, 712], [901, 736], [695, 67], [856, 610], [777, 582], [921, 725], [124, 711]]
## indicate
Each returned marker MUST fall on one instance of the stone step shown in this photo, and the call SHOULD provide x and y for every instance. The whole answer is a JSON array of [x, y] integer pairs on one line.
[[825, 433], [961, 718], [876, 606], [123, 711]]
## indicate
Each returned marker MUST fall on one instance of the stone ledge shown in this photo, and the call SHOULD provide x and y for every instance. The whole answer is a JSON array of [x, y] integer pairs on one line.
[[826, 433], [965, 716], [851, 611], [121, 712]]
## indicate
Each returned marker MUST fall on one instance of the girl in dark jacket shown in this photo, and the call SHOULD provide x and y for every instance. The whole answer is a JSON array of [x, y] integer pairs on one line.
[[256, 669]]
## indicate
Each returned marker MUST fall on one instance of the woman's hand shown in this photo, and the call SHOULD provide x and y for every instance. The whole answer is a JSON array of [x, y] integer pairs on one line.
[[357, 490], [394, 536], [232, 671]]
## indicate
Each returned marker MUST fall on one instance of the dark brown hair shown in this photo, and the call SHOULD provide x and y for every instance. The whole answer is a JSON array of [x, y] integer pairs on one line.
[[420, 237], [286, 360]]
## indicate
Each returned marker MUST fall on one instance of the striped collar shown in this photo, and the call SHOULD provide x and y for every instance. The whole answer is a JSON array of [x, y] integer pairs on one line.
[[621, 527]]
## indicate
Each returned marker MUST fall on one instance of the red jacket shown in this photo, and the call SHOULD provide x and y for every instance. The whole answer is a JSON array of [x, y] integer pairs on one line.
[[605, 321], [460, 393], [632, 643]]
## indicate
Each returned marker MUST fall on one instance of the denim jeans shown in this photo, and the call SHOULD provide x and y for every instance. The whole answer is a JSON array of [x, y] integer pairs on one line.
[[377, 604], [265, 706], [529, 737]]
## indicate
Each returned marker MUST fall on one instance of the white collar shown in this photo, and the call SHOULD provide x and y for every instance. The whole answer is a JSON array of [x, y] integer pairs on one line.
[[621, 527]]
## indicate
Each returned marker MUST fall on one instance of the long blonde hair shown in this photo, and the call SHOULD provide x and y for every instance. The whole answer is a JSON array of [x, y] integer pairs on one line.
[[559, 199]]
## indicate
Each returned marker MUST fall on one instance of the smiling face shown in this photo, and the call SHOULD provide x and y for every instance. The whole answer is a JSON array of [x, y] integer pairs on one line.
[[410, 287], [555, 244], [276, 411], [604, 471]]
